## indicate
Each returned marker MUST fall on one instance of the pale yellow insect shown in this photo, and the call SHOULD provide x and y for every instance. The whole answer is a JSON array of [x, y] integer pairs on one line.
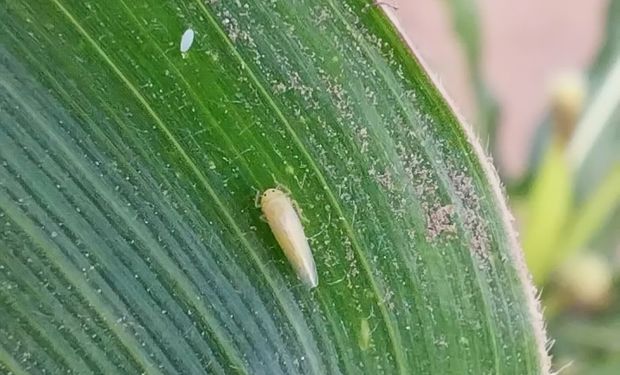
[[284, 221], [364, 336]]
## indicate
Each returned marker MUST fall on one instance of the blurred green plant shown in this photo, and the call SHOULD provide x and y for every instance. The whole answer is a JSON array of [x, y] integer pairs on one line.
[[570, 210], [576, 186], [466, 26], [568, 202]]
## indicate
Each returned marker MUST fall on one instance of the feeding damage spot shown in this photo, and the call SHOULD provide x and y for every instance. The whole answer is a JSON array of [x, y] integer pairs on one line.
[[474, 222], [186, 41], [440, 221]]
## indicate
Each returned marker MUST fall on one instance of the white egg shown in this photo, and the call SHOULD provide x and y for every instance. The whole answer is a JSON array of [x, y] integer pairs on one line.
[[186, 40]]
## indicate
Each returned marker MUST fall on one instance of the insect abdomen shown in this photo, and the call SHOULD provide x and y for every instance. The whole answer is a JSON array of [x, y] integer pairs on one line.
[[288, 231]]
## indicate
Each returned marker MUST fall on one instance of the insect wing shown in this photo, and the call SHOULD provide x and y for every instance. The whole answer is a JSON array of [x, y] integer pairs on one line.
[[296, 247]]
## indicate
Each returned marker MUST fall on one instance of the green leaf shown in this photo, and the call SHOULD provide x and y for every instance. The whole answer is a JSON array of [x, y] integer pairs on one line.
[[589, 343], [466, 22], [548, 207], [571, 200], [466, 25], [592, 150], [130, 241], [592, 216]]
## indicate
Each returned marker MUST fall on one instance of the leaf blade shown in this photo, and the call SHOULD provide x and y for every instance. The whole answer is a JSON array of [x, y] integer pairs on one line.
[[164, 155]]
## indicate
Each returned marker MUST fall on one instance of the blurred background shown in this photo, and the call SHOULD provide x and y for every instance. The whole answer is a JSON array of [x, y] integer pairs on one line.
[[540, 80]]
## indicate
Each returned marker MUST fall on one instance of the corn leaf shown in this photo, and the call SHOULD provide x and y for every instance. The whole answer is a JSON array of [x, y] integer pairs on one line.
[[129, 165]]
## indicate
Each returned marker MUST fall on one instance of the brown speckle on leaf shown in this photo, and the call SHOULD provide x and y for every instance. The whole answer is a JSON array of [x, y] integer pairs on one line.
[[474, 222], [440, 221]]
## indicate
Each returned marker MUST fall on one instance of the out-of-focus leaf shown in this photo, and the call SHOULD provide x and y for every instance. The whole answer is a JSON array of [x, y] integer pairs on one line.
[[588, 344], [587, 220], [547, 208], [467, 28], [129, 238], [592, 155], [593, 149]]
